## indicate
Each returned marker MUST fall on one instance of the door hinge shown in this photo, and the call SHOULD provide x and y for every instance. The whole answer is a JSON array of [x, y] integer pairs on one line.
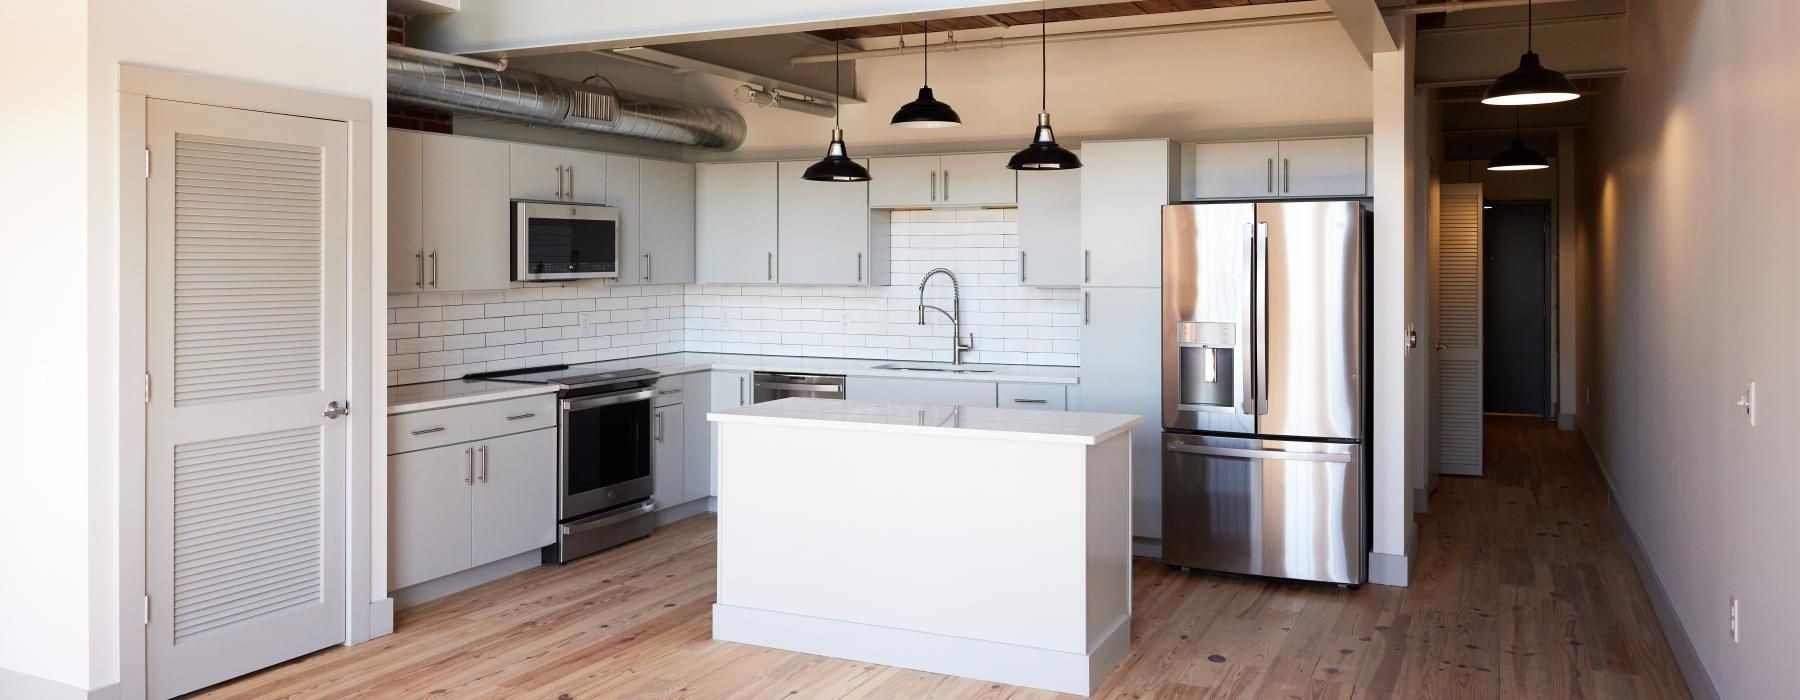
[[146, 387], [146, 610], [146, 162]]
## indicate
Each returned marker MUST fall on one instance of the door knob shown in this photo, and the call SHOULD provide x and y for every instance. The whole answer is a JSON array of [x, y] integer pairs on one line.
[[333, 410], [1441, 346]]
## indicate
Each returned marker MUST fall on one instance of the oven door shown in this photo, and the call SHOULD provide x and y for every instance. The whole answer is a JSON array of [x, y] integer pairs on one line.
[[564, 241], [605, 451]]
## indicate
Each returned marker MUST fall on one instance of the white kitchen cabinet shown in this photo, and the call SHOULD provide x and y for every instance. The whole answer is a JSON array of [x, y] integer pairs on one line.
[[963, 179], [1121, 372], [464, 214], [406, 207], [665, 230], [557, 174], [1234, 170], [903, 181], [667, 468], [1325, 167], [727, 389], [971, 179], [514, 496], [825, 231], [623, 193], [1033, 396], [1124, 185], [735, 223], [950, 392], [428, 513], [1050, 228], [696, 435]]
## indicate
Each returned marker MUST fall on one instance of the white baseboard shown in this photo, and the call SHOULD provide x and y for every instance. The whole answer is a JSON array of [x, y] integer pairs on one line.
[[1395, 569], [14, 684], [381, 618], [465, 580], [675, 514], [1422, 500], [997, 662], [1146, 547]]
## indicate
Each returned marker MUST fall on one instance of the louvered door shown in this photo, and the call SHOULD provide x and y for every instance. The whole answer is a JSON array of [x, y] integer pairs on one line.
[[246, 302], [1457, 324]]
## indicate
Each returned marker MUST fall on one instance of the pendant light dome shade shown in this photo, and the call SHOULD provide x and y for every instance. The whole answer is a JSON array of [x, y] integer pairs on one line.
[[1531, 84], [1043, 153], [836, 166], [926, 112], [1518, 157]]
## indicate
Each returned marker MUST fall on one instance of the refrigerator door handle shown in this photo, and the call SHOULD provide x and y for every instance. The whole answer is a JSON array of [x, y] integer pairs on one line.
[[1260, 321], [1248, 405]]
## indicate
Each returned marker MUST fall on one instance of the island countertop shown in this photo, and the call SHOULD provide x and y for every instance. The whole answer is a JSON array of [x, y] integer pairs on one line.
[[1071, 427]]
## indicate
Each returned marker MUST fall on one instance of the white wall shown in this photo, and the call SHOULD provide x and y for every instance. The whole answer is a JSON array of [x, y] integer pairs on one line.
[[1397, 466], [1692, 249], [44, 211]]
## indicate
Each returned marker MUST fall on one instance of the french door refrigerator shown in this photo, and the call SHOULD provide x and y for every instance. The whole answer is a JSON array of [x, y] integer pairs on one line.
[[1265, 387]]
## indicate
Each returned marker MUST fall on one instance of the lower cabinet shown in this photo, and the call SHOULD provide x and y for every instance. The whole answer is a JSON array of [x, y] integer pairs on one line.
[[954, 392], [1040, 397], [696, 435], [667, 467], [459, 506], [726, 389]]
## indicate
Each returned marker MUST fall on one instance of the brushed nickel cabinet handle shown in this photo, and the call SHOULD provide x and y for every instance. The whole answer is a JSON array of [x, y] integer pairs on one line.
[[647, 262], [434, 270], [1043, 401], [469, 476], [1087, 266], [859, 267], [484, 462], [559, 182], [1287, 177], [1021, 266], [659, 426], [771, 265], [521, 416], [934, 185], [429, 431], [419, 279], [946, 185], [571, 171], [1271, 175], [741, 399], [1087, 307]]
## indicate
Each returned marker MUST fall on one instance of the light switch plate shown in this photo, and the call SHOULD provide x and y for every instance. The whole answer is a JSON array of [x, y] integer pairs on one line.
[[1747, 401]]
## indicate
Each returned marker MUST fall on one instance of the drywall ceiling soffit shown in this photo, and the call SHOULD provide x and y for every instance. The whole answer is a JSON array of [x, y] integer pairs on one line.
[[1363, 22], [1002, 20], [758, 60], [1475, 54]]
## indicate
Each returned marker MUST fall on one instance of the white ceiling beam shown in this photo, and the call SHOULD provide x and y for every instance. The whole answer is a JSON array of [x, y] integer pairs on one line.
[[1364, 24]]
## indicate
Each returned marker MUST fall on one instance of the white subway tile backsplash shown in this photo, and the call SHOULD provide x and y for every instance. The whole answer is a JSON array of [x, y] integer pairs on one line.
[[439, 335]]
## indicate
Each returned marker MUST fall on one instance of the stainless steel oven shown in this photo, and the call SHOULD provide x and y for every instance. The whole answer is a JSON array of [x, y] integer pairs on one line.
[[562, 241], [604, 479]]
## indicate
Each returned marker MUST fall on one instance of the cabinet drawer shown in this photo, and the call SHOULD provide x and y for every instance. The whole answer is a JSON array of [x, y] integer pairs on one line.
[[1042, 397], [446, 426], [668, 392]]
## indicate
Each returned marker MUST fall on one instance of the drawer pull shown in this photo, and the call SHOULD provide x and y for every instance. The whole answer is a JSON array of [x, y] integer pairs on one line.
[[522, 416], [670, 391], [429, 431], [1031, 401]]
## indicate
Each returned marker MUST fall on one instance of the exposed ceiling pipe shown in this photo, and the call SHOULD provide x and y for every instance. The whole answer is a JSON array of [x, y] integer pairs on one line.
[[529, 98], [423, 54], [1202, 26]]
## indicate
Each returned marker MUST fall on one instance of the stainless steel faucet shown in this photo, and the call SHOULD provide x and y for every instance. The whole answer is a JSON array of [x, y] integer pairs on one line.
[[954, 314]]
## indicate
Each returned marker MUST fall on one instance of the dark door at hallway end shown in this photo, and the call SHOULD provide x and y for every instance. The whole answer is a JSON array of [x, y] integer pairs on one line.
[[1516, 308]]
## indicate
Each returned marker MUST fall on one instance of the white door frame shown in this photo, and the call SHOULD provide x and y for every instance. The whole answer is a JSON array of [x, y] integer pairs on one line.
[[367, 614]]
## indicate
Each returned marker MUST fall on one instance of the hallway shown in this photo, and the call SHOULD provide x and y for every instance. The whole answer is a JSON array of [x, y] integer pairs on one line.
[[1523, 590]]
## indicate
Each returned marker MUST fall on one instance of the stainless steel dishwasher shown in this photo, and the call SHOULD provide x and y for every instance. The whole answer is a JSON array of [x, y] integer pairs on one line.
[[781, 385]]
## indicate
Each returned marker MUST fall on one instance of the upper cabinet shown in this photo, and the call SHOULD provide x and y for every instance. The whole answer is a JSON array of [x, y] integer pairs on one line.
[[665, 253], [1333, 167], [826, 232], [622, 194], [735, 222], [557, 174], [447, 213], [1050, 228], [967, 179], [1124, 185]]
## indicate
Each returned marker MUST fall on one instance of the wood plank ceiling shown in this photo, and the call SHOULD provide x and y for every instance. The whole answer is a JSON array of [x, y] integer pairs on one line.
[[1009, 19]]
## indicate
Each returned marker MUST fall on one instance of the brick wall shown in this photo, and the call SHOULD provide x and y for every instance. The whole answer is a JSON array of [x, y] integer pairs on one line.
[[401, 116]]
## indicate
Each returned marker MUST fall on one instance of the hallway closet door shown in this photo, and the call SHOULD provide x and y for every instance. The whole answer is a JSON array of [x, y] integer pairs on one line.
[[1456, 366], [247, 309]]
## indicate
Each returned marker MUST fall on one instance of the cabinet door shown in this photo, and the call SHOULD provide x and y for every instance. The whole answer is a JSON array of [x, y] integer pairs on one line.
[[668, 471], [1050, 228], [1234, 170], [1121, 372], [428, 513], [968, 179], [696, 435], [624, 194], [589, 175], [907, 181], [1325, 168], [947, 392], [406, 230], [1039, 397], [666, 222], [824, 229], [537, 172], [514, 499], [465, 214], [735, 222], [1124, 185], [728, 390]]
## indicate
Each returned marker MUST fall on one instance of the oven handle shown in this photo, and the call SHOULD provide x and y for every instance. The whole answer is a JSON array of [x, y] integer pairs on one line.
[[580, 526], [586, 402]]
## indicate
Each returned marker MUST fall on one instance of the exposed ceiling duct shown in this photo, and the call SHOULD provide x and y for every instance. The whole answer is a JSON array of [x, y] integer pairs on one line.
[[530, 98]]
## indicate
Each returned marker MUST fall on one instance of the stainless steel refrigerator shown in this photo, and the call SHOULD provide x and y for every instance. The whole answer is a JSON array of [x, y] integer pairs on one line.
[[1265, 368]]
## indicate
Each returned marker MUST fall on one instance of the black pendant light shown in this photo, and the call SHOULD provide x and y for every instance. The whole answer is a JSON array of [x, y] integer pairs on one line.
[[1043, 153], [836, 166], [926, 112], [1531, 83], [1518, 156]]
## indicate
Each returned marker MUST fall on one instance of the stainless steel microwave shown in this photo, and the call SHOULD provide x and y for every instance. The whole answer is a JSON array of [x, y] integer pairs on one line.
[[562, 241]]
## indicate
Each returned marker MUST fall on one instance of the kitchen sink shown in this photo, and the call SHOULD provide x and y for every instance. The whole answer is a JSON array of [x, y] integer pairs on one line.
[[917, 368]]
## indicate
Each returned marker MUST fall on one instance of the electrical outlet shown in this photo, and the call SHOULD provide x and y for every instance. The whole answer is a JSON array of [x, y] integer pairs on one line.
[[1734, 620], [1747, 401]]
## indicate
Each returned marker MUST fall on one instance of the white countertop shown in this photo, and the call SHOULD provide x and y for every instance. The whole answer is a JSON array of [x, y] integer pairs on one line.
[[420, 397], [1004, 423]]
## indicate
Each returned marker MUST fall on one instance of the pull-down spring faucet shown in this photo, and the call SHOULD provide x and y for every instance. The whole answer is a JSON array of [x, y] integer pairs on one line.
[[954, 314]]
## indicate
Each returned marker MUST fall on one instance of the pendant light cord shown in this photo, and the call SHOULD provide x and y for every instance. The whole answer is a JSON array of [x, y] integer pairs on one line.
[[1044, 58], [925, 46], [837, 87], [1527, 26]]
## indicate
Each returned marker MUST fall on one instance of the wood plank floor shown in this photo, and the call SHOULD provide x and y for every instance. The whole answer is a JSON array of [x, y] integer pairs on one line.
[[1522, 590]]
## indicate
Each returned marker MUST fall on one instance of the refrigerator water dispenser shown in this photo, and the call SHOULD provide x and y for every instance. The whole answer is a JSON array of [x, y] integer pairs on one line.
[[1207, 355]]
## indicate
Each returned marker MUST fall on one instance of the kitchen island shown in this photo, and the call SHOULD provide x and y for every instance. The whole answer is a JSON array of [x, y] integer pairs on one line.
[[978, 542]]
